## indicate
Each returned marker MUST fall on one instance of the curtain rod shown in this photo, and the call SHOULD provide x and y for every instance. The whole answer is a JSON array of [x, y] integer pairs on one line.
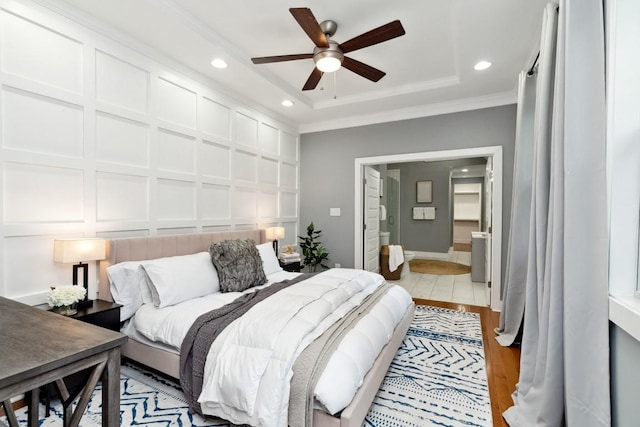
[[533, 66]]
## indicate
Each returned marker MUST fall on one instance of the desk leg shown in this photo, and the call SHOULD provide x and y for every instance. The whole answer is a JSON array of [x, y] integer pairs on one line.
[[33, 416], [11, 416], [111, 390]]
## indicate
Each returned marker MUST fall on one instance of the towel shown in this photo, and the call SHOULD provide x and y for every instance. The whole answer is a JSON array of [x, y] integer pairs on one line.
[[396, 257]]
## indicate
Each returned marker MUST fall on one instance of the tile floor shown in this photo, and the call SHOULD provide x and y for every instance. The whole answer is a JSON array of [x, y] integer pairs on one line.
[[452, 288]]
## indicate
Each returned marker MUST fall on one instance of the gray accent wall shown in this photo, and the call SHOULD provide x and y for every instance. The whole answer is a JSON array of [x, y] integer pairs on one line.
[[327, 164], [436, 235]]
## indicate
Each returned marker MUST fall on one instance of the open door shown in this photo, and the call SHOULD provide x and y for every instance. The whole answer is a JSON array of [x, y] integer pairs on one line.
[[488, 223], [371, 220]]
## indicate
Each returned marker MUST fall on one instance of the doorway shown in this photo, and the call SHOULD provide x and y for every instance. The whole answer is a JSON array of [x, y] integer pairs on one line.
[[493, 152]]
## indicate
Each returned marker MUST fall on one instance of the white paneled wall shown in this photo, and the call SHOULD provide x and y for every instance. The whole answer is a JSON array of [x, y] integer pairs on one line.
[[100, 140]]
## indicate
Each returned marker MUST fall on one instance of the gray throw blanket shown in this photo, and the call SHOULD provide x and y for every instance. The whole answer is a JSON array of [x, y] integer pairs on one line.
[[206, 328]]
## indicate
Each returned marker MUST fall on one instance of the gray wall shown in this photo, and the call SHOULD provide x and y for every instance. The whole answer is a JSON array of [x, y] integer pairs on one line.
[[327, 164], [625, 377], [436, 235]]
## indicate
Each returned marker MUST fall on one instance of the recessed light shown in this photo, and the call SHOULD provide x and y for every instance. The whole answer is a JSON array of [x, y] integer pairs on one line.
[[482, 65], [287, 103], [219, 63], [465, 170]]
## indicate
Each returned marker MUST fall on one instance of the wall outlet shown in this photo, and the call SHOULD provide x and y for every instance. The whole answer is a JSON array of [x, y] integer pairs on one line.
[[337, 265], [334, 211]]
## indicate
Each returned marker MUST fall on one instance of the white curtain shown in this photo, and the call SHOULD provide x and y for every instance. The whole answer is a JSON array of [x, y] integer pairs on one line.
[[513, 299], [564, 369]]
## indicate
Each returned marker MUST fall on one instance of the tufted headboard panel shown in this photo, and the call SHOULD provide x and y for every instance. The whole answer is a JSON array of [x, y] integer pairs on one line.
[[152, 247]]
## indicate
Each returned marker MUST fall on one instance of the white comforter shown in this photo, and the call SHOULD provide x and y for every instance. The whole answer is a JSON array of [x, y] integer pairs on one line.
[[249, 366], [346, 369]]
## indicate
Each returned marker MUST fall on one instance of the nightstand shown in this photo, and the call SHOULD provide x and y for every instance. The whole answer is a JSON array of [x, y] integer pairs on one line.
[[293, 267], [104, 314]]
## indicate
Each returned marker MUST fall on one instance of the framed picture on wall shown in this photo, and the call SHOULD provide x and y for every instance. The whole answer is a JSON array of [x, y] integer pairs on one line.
[[424, 191]]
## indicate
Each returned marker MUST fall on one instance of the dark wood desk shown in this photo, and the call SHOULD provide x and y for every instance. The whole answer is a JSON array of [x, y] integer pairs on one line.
[[38, 347]]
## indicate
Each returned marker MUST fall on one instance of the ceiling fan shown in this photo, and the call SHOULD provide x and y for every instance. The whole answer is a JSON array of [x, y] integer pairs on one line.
[[328, 55]]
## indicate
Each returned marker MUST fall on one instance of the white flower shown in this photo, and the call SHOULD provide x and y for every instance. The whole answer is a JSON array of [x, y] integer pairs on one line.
[[65, 295]]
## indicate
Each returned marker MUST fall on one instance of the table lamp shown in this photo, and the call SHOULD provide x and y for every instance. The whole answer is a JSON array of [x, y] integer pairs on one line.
[[80, 251], [274, 233]]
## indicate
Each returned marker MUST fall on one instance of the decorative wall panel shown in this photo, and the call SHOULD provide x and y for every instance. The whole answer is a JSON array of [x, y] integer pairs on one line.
[[121, 141], [176, 104], [245, 166], [246, 131], [176, 153], [98, 139], [41, 124], [268, 171], [214, 160], [121, 84], [177, 230], [215, 202], [52, 59], [244, 203], [289, 146], [268, 138], [28, 262], [288, 205], [288, 175], [268, 205], [215, 119], [42, 194], [122, 197], [176, 200]]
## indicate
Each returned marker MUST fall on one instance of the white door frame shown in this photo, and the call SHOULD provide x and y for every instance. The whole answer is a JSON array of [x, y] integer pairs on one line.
[[496, 248]]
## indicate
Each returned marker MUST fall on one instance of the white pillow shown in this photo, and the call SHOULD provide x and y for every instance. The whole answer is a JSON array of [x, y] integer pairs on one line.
[[125, 287], [180, 278], [270, 262]]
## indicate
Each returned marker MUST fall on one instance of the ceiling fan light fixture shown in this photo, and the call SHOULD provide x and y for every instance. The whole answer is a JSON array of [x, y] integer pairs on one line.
[[328, 59], [328, 64]]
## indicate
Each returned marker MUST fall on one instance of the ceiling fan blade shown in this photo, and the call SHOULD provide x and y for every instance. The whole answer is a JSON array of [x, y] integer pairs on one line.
[[377, 35], [310, 26], [280, 58], [313, 79], [362, 69]]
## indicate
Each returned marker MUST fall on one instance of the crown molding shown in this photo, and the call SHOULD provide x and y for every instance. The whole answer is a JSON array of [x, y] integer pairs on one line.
[[466, 104]]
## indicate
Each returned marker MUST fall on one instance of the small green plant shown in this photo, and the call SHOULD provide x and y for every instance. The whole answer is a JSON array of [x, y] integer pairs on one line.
[[313, 252]]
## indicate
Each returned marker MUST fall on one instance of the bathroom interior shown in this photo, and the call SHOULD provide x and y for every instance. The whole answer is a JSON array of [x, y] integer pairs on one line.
[[440, 226]]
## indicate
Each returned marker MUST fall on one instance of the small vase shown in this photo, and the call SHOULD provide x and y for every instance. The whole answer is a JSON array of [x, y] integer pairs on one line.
[[67, 310]]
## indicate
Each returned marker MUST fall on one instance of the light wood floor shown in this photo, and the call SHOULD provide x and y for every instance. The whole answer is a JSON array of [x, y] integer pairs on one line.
[[503, 363]]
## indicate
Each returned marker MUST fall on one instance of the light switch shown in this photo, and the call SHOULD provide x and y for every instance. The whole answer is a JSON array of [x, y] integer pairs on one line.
[[334, 211]]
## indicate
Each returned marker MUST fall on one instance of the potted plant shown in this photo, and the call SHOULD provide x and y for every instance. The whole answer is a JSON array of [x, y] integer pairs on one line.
[[313, 252]]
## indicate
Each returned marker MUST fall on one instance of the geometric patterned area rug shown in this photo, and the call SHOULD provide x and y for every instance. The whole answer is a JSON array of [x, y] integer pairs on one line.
[[145, 399], [437, 378]]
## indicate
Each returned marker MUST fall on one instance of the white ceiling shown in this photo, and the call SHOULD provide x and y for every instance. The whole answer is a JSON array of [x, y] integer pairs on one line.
[[429, 69]]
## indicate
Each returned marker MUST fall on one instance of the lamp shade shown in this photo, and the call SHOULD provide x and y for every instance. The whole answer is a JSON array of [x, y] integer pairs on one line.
[[78, 250], [274, 233]]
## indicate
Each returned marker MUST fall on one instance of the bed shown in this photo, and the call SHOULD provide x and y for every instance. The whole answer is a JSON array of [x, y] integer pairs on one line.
[[166, 360]]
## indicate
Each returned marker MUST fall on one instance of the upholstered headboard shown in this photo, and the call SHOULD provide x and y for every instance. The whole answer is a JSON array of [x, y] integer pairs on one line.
[[152, 247]]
